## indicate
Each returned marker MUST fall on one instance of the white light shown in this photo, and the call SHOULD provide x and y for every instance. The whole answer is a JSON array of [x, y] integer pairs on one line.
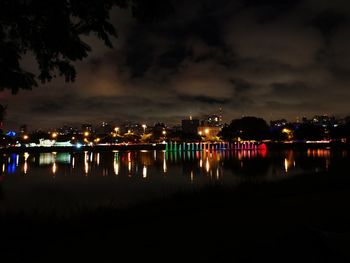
[[286, 165], [116, 166], [54, 168], [207, 165], [144, 172], [164, 166], [25, 167], [98, 159]]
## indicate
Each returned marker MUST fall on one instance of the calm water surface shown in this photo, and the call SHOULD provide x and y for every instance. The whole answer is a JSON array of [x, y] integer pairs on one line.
[[68, 181]]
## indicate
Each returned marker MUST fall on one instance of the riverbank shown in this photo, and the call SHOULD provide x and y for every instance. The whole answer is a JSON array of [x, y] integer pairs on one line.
[[302, 219]]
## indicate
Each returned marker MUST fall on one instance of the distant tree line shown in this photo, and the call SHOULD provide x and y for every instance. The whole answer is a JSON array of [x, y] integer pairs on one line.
[[253, 128]]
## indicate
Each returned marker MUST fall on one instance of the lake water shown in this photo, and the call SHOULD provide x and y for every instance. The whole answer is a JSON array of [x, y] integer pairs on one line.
[[70, 181]]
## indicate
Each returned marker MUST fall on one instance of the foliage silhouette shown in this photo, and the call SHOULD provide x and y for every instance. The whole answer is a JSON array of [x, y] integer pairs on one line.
[[246, 128], [52, 31]]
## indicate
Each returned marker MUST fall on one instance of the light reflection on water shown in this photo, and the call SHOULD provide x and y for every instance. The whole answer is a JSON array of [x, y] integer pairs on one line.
[[128, 177], [134, 163]]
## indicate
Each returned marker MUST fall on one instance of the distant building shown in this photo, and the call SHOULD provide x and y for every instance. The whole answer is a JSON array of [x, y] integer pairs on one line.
[[324, 120], [104, 128], [130, 127], [190, 126], [67, 130], [213, 121], [208, 131], [23, 129], [86, 128], [278, 123], [176, 128], [159, 127]]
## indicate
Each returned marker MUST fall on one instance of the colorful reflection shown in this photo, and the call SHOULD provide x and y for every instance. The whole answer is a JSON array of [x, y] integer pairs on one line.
[[196, 165], [289, 161], [320, 153]]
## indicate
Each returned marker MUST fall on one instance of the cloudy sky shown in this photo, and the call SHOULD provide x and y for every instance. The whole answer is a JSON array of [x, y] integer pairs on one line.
[[270, 58]]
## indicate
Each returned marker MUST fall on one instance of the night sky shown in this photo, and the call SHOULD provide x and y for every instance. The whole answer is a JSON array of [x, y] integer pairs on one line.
[[270, 59]]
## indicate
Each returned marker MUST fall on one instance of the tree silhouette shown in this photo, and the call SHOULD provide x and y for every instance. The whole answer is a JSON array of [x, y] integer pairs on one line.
[[246, 128], [52, 31]]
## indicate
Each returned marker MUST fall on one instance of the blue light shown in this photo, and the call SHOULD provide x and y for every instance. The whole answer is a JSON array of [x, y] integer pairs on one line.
[[11, 134], [11, 168], [78, 145]]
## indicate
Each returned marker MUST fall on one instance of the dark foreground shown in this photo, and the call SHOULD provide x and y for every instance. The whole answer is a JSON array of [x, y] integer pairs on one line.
[[303, 219]]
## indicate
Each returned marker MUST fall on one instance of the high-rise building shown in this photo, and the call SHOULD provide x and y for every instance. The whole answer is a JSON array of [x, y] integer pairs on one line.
[[190, 126], [213, 120]]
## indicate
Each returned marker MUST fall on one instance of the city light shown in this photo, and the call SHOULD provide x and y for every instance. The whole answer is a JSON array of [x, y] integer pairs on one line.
[[144, 172], [54, 135], [144, 126]]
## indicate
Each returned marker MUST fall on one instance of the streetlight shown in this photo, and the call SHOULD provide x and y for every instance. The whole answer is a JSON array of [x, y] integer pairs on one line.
[[144, 126], [116, 129]]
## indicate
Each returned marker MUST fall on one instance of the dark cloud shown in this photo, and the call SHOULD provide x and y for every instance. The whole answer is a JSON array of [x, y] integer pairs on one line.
[[173, 57], [293, 89], [328, 22], [269, 58], [241, 85], [51, 107], [270, 10], [203, 99]]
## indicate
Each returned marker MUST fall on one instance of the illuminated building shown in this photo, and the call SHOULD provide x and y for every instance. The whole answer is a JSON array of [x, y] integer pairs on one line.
[[278, 123], [208, 132], [130, 127], [213, 121]]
